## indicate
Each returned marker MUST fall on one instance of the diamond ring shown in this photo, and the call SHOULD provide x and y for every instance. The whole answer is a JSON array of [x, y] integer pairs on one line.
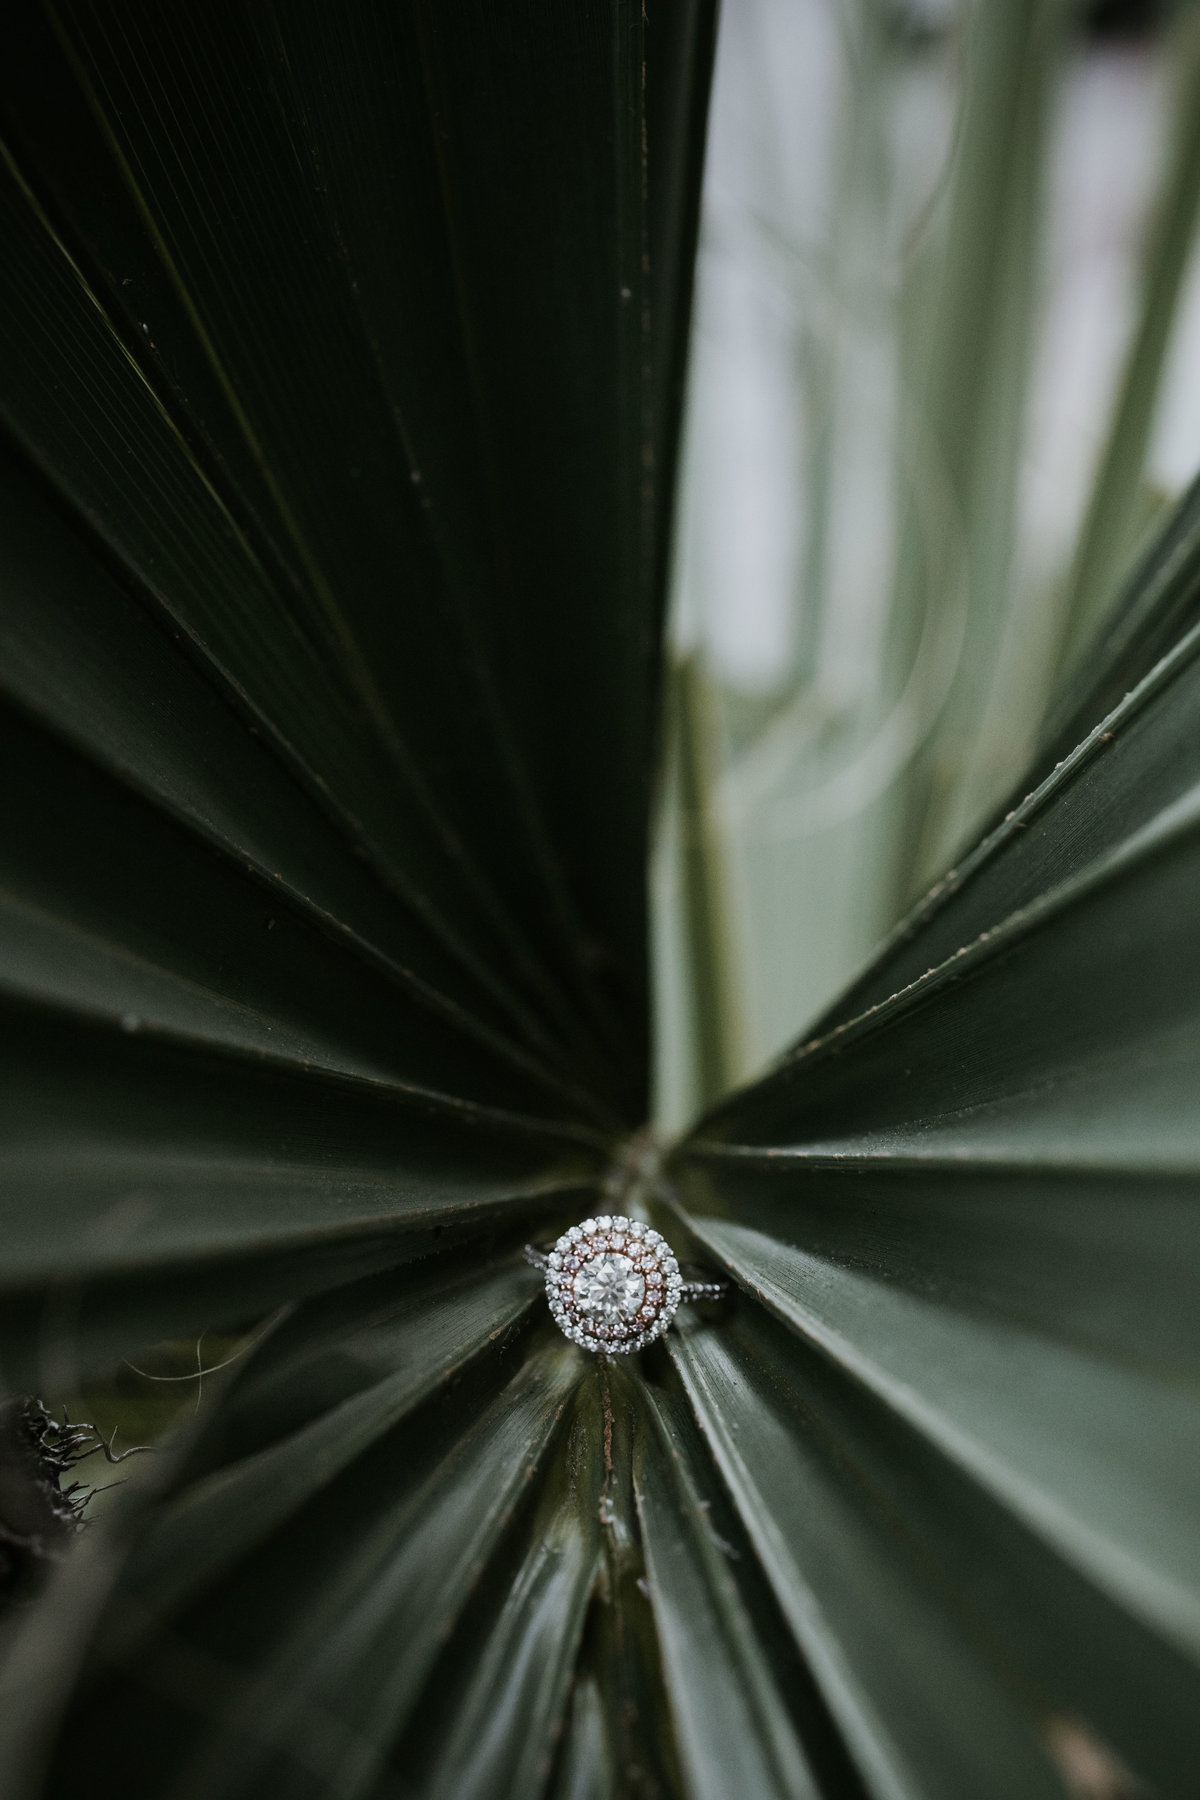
[[613, 1284]]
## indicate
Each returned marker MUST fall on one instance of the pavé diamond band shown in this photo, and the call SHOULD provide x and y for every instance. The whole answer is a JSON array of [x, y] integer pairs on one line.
[[613, 1284]]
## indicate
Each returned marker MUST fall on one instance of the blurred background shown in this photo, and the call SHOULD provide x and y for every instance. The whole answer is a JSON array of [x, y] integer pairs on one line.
[[945, 377]]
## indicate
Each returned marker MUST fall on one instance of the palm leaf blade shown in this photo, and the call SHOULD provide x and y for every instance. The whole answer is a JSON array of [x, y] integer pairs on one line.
[[341, 370]]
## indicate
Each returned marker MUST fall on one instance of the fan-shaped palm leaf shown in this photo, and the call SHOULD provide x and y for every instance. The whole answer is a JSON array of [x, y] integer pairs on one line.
[[340, 364]]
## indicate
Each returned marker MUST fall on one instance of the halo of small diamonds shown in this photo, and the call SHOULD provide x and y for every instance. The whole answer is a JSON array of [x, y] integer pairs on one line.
[[613, 1284]]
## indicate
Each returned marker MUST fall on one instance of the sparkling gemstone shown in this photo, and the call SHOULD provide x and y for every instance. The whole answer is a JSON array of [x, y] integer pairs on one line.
[[608, 1287]]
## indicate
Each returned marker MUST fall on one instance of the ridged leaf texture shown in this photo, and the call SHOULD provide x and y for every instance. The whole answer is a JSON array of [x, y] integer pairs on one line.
[[340, 361]]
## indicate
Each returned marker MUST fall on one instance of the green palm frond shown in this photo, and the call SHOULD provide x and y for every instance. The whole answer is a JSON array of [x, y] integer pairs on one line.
[[340, 372]]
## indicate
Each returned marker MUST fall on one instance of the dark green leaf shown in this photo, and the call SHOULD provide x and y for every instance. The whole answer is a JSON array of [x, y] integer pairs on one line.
[[731, 1710], [340, 369], [946, 1641], [498, 1709], [342, 1372], [158, 1188], [309, 1681]]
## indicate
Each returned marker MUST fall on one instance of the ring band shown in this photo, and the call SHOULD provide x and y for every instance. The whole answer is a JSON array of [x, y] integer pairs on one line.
[[614, 1285]]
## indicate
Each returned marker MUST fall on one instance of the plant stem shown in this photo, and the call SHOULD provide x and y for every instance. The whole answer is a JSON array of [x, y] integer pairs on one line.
[[1113, 513], [718, 1023]]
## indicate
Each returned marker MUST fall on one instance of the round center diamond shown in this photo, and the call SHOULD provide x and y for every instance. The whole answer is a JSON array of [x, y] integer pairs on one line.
[[608, 1288]]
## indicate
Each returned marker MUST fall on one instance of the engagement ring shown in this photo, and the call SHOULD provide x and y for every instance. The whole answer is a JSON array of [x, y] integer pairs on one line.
[[613, 1284]]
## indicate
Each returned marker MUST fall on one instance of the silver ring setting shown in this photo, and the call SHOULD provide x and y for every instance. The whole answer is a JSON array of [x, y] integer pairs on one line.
[[614, 1285]]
